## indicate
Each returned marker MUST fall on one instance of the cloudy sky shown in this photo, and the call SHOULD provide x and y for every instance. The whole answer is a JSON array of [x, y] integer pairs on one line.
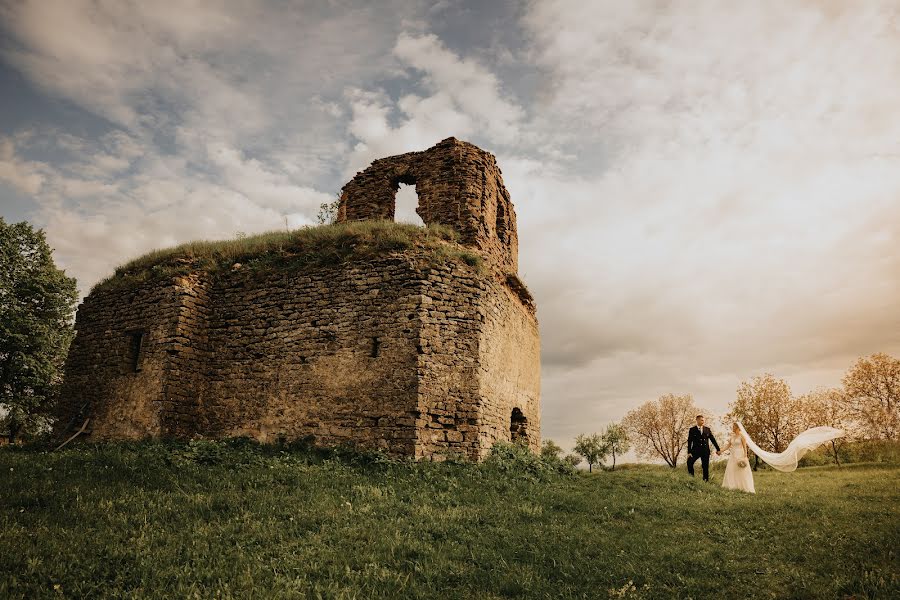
[[705, 190]]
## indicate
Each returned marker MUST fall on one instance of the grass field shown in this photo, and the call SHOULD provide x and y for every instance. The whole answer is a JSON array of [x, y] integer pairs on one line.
[[234, 520]]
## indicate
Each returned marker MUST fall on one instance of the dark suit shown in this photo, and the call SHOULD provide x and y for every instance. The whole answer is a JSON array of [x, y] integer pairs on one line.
[[698, 447]]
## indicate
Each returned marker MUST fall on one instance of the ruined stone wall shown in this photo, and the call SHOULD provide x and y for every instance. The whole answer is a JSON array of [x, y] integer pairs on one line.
[[393, 353], [120, 386], [447, 371], [480, 359], [458, 185], [329, 353], [509, 368], [188, 350]]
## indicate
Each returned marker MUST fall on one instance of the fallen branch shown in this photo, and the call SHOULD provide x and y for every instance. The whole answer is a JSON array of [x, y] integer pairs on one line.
[[77, 433]]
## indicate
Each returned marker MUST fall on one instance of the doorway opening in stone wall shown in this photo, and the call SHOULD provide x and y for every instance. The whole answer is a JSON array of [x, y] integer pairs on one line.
[[405, 205], [518, 427]]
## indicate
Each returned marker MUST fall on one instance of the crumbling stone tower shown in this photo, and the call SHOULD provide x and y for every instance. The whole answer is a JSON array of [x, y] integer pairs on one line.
[[395, 352], [458, 184]]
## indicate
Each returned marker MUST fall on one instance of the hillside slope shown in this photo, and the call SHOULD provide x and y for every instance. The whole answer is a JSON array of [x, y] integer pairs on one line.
[[235, 520]]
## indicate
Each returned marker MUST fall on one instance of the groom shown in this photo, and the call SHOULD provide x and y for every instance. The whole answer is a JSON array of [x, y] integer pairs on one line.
[[699, 438]]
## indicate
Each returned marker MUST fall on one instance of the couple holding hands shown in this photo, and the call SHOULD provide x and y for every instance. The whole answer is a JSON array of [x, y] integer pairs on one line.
[[738, 475]]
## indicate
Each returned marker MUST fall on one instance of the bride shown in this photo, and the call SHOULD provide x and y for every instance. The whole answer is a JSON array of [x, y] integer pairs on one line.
[[738, 475]]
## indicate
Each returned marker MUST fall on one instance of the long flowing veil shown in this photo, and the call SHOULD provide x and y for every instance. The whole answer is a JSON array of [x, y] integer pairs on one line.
[[803, 443]]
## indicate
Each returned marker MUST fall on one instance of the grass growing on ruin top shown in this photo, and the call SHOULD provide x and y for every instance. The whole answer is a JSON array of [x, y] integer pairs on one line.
[[308, 246], [229, 520]]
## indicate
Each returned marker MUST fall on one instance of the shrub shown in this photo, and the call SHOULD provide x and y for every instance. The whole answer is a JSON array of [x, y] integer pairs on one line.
[[517, 459]]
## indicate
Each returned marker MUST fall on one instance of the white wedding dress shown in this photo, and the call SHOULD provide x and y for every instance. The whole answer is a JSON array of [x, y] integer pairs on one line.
[[738, 477], [741, 478], [799, 446]]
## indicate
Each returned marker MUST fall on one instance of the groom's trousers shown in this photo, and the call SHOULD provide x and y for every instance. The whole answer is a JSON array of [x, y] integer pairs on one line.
[[704, 460]]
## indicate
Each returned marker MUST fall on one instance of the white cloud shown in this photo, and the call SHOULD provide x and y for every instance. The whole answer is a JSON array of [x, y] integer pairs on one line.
[[471, 86], [254, 180], [24, 175], [125, 61], [464, 99]]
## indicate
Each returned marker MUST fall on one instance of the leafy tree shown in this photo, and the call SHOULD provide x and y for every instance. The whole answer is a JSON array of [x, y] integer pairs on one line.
[[659, 428], [872, 388], [36, 305], [591, 448], [550, 449], [572, 459], [826, 407], [616, 440], [767, 410], [328, 212]]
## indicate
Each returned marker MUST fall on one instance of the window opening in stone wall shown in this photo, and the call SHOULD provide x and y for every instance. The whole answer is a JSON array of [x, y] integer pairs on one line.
[[376, 347], [518, 427], [135, 345], [405, 206]]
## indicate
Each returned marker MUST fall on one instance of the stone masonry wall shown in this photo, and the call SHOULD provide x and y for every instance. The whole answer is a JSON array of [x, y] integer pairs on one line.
[[387, 354], [480, 359], [330, 353], [448, 418], [187, 349], [509, 368], [119, 385]]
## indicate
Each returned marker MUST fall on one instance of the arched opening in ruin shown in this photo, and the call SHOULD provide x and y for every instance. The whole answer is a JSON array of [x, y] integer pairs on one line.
[[405, 203], [518, 427]]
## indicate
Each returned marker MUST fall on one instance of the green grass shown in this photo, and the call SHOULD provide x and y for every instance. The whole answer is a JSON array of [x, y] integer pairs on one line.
[[309, 246], [211, 520]]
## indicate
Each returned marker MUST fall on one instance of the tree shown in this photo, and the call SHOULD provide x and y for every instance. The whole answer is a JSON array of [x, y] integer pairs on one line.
[[825, 407], [872, 388], [659, 428], [767, 410], [549, 449], [36, 305], [572, 459], [328, 211], [616, 440], [591, 448]]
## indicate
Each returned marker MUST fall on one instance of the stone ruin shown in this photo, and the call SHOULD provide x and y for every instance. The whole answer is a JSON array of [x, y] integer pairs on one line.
[[389, 353]]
